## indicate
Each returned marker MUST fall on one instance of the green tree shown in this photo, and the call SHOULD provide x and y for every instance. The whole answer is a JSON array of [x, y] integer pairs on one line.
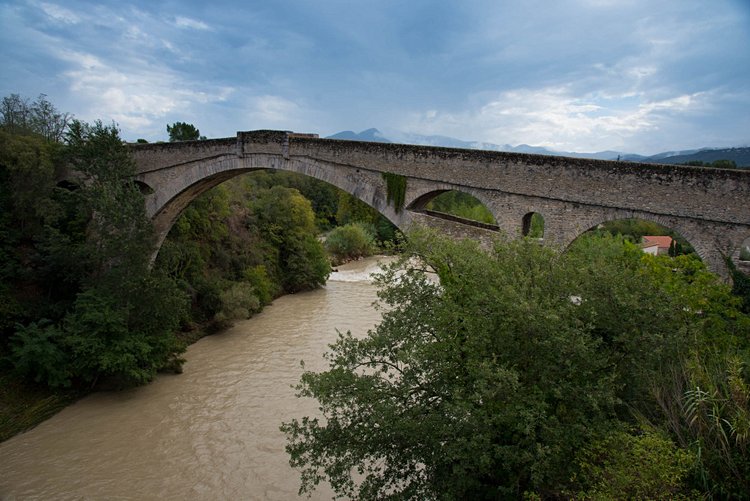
[[119, 324], [724, 164], [182, 131], [433, 402], [637, 464], [286, 220], [18, 116], [485, 384]]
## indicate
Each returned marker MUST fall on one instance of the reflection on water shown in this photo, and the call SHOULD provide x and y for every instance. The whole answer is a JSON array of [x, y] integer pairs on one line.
[[209, 433]]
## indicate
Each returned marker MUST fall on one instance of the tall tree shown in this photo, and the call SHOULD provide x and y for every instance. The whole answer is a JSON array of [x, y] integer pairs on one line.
[[182, 131], [41, 117], [121, 321]]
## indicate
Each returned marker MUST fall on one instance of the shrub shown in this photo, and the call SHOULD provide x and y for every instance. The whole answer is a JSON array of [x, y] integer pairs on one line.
[[238, 302], [257, 276], [349, 242], [642, 464]]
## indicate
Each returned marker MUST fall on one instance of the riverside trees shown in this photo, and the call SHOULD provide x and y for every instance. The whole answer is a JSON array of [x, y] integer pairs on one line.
[[520, 371], [78, 302], [84, 305]]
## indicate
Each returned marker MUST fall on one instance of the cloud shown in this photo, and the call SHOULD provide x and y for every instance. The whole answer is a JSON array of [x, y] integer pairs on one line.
[[134, 97], [273, 111], [188, 23], [557, 118], [577, 74], [59, 14]]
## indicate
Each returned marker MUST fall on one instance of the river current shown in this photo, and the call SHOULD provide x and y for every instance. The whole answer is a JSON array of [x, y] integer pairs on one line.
[[209, 433]]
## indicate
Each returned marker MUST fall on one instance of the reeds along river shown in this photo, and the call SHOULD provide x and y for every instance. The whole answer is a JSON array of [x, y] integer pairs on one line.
[[209, 433]]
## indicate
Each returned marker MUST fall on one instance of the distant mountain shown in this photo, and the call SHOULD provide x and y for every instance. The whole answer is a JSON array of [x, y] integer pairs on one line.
[[372, 135], [741, 156]]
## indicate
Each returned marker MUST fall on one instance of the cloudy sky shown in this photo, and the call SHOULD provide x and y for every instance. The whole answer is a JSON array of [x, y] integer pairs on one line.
[[639, 76]]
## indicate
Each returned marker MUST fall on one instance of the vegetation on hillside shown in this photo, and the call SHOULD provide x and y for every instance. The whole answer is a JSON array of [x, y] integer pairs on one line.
[[80, 303], [81, 308], [239, 245]]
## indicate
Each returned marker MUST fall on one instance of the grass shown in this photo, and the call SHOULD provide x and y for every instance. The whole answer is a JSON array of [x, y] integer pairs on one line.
[[23, 406]]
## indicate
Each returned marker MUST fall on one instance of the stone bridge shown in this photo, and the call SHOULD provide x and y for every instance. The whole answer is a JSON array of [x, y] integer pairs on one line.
[[709, 207]]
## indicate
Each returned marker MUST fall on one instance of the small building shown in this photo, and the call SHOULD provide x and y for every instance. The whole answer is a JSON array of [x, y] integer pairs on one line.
[[656, 245]]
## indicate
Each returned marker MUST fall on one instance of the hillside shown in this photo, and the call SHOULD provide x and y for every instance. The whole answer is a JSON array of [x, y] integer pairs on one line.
[[740, 156]]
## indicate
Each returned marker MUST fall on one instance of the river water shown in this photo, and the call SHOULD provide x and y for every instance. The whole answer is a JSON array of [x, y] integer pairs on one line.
[[209, 433]]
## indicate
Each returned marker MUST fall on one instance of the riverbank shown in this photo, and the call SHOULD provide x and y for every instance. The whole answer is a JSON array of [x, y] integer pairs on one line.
[[24, 405], [209, 433]]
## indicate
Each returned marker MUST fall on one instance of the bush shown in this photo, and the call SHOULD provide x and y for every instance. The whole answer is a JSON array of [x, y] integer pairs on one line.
[[257, 276], [238, 302], [349, 242], [642, 464]]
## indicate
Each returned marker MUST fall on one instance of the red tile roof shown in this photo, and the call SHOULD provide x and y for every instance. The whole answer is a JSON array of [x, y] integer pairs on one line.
[[663, 242]]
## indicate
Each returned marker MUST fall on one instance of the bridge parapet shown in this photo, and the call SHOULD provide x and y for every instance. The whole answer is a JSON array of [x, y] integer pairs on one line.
[[158, 156], [703, 193]]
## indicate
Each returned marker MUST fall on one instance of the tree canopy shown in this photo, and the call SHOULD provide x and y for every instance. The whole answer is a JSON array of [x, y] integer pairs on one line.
[[492, 371], [181, 131], [40, 117]]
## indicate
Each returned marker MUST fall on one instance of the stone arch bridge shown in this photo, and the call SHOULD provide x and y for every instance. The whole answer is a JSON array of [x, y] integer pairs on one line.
[[709, 207]]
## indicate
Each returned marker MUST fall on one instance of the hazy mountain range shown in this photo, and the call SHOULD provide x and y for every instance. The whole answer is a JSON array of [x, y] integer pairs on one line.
[[741, 155]]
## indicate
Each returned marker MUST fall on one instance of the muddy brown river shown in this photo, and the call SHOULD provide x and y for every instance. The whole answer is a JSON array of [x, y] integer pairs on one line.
[[209, 433]]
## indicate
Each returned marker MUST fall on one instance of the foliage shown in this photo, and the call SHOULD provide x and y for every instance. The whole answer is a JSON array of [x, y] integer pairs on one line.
[[741, 285], [535, 226], [637, 464], [462, 205], [707, 408], [39, 355], [635, 229], [323, 197], [285, 218], [241, 244], [85, 305], [239, 302], [395, 189], [486, 383], [18, 116], [348, 242], [181, 131], [258, 278]]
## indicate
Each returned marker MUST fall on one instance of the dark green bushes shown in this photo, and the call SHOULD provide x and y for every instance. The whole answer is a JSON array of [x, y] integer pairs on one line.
[[85, 306]]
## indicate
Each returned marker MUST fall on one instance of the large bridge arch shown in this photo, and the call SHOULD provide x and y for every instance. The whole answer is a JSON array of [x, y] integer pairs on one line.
[[167, 200], [707, 206]]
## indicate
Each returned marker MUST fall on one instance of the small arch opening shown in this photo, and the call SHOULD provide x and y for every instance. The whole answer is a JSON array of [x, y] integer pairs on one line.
[[745, 250], [533, 225], [460, 204], [144, 188]]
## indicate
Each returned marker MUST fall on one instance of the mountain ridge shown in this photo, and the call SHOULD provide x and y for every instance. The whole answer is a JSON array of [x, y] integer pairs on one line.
[[740, 155]]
